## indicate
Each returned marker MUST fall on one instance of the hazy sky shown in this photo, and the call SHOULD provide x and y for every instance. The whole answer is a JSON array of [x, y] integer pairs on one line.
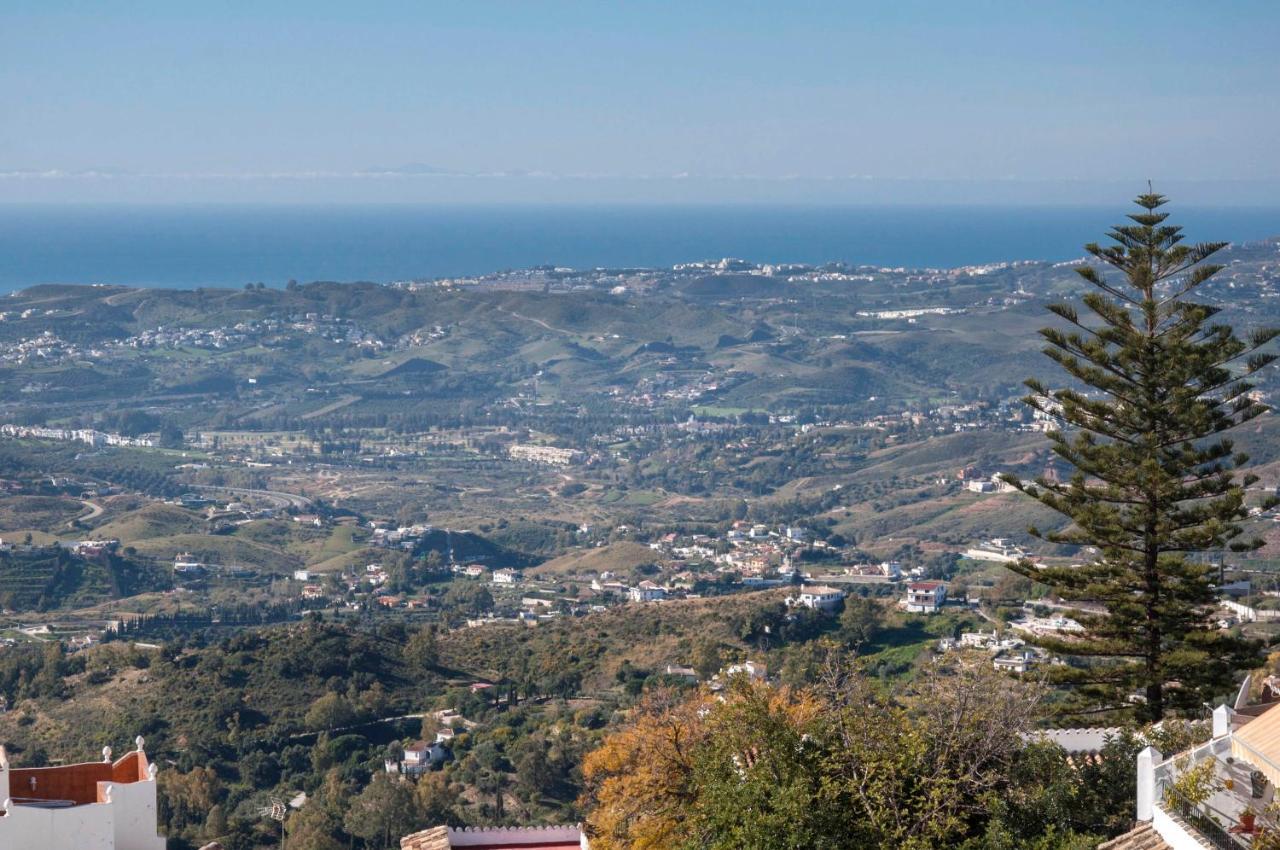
[[691, 100]]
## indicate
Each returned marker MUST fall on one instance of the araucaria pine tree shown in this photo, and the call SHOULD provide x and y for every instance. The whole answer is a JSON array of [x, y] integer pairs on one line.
[[1155, 486]]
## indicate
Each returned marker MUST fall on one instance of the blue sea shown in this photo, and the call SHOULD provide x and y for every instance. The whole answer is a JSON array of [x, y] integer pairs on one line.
[[226, 245]]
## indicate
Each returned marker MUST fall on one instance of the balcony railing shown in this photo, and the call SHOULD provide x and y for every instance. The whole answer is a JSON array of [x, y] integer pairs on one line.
[[1207, 829]]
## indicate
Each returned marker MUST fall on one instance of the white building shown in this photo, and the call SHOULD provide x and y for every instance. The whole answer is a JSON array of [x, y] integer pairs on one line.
[[543, 454], [1016, 662], [997, 549], [646, 591], [186, 561], [1244, 752], [752, 669], [101, 805], [506, 576], [979, 639], [497, 838], [419, 757], [819, 597], [925, 597]]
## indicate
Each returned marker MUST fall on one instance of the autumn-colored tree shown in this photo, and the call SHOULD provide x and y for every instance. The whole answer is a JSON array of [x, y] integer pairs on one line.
[[837, 766], [639, 781], [436, 800]]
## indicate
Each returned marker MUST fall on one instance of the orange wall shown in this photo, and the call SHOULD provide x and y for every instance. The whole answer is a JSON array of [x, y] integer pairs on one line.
[[75, 782]]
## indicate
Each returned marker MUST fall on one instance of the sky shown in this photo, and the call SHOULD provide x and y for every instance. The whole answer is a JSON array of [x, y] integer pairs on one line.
[[703, 101]]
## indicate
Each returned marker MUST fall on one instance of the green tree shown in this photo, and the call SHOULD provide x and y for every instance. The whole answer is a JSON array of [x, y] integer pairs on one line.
[[215, 825], [436, 799], [383, 812], [861, 619], [423, 651], [1156, 382], [313, 829], [706, 660], [330, 711]]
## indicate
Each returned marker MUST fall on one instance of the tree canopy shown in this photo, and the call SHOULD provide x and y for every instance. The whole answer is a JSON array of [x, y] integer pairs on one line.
[[948, 762]]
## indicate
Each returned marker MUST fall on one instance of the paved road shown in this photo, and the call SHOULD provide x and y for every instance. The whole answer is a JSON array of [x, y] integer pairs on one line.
[[288, 499], [95, 511]]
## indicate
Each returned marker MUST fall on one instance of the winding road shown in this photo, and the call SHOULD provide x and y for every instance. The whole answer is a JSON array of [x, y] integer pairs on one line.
[[95, 511], [282, 499]]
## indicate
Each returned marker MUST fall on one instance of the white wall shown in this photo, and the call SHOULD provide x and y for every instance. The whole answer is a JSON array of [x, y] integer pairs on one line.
[[86, 827], [1244, 612], [128, 822], [134, 805], [1174, 834], [514, 836]]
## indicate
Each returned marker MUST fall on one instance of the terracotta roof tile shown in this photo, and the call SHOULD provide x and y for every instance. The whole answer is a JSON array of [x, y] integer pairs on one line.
[[436, 838], [1144, 837]]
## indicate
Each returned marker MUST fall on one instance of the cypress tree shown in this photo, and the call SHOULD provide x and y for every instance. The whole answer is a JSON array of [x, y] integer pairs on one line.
[[1155, 483]]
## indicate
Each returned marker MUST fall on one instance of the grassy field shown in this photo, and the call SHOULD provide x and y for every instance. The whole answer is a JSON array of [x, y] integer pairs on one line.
[[223, 551], [621, 557], [907, 639], [151, 521], [25, 512]]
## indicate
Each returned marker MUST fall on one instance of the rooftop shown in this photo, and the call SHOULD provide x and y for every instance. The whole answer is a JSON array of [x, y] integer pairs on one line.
[[496, 838], [73, 784], [1143, 838]]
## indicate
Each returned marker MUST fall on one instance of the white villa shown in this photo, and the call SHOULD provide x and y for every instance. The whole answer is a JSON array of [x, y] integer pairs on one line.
[[997, 549], [646, 591], [925, 597], [103, 805], [1244, 752], [819, 597]]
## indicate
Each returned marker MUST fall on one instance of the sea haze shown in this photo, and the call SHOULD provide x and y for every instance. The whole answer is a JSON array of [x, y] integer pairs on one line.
[[189, 246]]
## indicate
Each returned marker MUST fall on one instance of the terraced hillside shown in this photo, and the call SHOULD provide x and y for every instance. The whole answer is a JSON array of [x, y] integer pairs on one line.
[[48, 578]]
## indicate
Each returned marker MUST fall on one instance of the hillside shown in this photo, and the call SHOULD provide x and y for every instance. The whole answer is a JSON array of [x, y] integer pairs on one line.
[[152, 521], [621, 557], [52, 578]]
